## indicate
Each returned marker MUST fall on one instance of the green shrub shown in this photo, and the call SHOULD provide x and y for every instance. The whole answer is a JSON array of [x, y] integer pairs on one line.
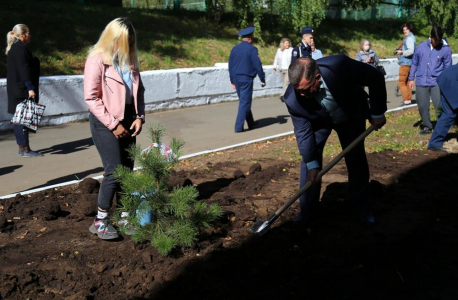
[[176, 215]]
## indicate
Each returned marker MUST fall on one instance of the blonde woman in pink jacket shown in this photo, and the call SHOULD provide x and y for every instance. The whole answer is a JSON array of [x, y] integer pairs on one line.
[[113, 91]]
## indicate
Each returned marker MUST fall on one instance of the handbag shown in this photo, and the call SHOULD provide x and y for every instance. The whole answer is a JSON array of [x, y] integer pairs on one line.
[[28, 113], [381, 69]]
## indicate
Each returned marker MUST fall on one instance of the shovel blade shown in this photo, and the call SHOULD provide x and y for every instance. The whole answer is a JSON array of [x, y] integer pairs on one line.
[[255, 227], [259, 227]]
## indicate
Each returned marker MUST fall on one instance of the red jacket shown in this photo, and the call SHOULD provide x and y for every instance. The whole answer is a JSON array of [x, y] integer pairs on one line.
[[105, 94]]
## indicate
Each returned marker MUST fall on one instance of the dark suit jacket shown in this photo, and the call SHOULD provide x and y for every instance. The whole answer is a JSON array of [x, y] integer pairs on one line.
[[21, 66], [346, 79], [448, 84]]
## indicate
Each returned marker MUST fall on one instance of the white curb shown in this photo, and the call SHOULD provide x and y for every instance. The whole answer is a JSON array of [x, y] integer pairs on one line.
[[183, 157]]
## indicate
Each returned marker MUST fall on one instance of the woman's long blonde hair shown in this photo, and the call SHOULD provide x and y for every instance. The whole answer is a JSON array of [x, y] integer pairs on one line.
[[13, 35], [117, 41], [282, 43]]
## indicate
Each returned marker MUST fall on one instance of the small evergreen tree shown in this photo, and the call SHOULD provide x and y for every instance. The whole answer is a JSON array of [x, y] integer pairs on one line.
[[175, 215]]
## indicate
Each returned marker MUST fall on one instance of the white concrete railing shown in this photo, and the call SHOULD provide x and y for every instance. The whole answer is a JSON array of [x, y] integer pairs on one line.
[[165, 89]]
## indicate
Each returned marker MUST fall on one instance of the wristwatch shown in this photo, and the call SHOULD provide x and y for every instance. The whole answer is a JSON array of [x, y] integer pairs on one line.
[[142, 117]]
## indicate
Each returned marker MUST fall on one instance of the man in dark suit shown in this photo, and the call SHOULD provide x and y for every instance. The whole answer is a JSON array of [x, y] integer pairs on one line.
[[329, 94], [244, 64], [448, 84]]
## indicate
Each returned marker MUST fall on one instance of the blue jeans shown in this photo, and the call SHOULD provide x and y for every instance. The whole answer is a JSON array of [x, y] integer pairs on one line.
[[113, 153], [22, 135], [244, 89]]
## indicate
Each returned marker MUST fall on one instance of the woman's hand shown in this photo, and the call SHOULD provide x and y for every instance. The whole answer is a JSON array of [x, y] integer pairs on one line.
[[32, 94], [137, 124], [120, 132]]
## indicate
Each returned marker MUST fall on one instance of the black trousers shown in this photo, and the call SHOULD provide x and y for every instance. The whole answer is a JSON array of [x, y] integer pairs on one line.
[[113, 153], [356, 161]]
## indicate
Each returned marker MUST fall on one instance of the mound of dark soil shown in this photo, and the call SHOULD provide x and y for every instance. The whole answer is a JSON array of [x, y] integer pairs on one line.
[[47, 252]]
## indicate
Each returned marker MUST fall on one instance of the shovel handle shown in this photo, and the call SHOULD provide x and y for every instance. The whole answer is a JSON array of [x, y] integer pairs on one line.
[[325, 170]]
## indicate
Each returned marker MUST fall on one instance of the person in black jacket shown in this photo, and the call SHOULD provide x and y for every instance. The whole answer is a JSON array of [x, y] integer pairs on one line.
[[23, 71], [329, 94]]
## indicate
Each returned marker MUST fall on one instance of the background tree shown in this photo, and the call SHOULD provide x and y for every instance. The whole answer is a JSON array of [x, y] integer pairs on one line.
[[300, 13], [439, 12], [244, 9], [214, 9], [293, 13], [430, 12]]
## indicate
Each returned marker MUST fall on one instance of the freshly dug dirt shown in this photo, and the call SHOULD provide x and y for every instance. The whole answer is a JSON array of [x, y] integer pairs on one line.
[[238, 174], [255, 168], [89, 186], [47, 252]]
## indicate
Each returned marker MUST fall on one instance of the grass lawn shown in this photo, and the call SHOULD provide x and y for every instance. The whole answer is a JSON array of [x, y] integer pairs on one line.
[[399, 134], [63, 31]]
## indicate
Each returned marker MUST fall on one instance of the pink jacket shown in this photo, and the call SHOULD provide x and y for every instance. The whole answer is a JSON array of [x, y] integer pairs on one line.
[[105, 94]]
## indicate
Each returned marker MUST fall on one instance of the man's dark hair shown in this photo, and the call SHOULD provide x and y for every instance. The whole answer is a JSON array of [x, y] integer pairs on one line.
[[408, 25], [304, 67], [437, 33]]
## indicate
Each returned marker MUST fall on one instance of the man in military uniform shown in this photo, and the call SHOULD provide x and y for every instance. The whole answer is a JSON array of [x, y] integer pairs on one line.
[[304, 49], [244, 64]]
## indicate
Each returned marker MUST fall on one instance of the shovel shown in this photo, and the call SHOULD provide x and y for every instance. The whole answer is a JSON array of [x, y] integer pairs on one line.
[[261, 227]]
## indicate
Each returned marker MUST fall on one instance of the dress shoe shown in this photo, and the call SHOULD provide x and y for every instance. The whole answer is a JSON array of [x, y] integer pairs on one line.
[[252, 126], [425, 131], [237, 131], [438, 149]]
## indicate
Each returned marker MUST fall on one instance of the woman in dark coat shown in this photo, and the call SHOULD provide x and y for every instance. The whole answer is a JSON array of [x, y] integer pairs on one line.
[[22, 80]]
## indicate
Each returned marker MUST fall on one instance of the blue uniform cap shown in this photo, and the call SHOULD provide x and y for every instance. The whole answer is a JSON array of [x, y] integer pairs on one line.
[[246, 31], [307, 30]]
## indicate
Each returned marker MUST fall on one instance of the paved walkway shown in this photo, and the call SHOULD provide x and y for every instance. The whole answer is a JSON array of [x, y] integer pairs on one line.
[[69, 153]]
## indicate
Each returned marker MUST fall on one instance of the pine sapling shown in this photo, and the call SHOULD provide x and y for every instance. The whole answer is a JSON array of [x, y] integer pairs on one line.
[[175, 215]]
